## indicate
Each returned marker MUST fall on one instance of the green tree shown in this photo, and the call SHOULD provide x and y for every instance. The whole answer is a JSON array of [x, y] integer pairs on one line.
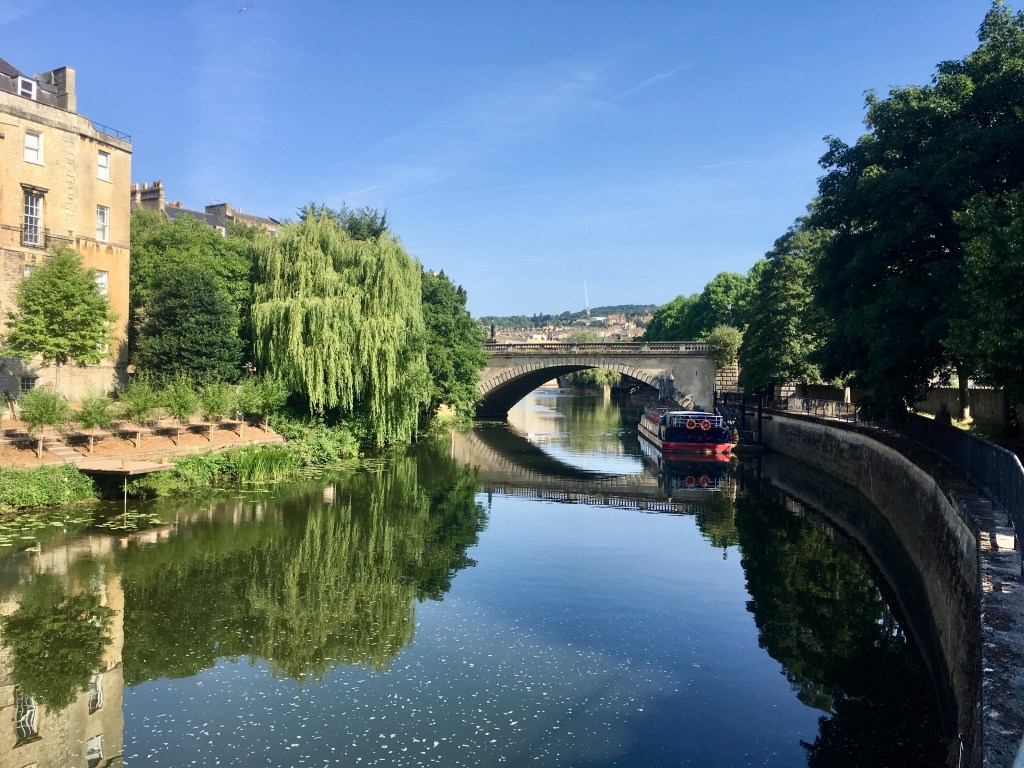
[[454, 343], [161, 248], [890, 275], [216, 400], [42, 407], [787, 327], [180, 399], [61, 314], [671, 322], [990, 334], [359, 223], [191, 328], [724, 345], [96, 412], [340, 322], [688, 318], [138, 401]]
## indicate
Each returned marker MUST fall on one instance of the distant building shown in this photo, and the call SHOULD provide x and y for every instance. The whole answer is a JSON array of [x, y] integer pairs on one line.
[[151, 197], [63, 180]]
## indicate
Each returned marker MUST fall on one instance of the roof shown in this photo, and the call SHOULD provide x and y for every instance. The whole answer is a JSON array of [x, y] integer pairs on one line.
[[9, 75], [174, 212]]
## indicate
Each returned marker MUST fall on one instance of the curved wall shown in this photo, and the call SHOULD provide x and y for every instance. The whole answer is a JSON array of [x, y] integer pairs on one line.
[[937, 536]]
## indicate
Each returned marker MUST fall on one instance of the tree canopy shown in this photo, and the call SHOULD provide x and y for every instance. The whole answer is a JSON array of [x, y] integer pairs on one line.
[[340, 322], [891, 274], [61, 314], [723, 301], [191, 328], [786, 327], [454, 343]]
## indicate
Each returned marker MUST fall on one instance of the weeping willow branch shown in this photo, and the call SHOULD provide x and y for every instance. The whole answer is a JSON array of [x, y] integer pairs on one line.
[[340, 322]]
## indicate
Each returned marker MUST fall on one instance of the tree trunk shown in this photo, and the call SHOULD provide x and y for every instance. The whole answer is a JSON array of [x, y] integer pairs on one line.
[[964, 393], [138, 439], [39, 446], [92, 437], [177, 435]]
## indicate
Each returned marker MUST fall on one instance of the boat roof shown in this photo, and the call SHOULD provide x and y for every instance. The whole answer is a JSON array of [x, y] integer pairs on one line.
[[687, 414]]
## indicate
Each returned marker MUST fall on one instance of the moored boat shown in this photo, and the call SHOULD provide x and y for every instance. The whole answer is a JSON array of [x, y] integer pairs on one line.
[[677, 431]]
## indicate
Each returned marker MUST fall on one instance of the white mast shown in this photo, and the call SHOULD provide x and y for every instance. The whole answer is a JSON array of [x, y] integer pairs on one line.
[[586, 297]]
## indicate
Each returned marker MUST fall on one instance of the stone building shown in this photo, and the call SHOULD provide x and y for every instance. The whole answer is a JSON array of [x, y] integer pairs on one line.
[[152, 197], [63, 180]]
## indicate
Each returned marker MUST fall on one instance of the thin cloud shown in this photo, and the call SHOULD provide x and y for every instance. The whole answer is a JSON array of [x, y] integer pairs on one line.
[[12, 13], [653, 80]]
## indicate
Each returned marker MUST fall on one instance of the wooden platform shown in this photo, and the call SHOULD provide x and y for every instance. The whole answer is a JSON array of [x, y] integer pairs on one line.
[[122, 467]]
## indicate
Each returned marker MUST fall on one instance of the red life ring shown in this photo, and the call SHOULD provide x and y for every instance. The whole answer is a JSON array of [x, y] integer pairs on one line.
[[705, 480], [690, 480], [705, 425], [691, 424]]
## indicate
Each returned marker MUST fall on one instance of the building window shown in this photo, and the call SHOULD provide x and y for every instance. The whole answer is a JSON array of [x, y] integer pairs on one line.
[[27, 717], [26, 87], [27, 270], [32, 226], [103, 165], [101, 281], [27, 384], [34, 147], [95, 693], [94, 751], [102, 223]]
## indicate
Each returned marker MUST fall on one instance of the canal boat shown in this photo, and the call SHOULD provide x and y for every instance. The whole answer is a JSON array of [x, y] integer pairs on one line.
[[677, 431]]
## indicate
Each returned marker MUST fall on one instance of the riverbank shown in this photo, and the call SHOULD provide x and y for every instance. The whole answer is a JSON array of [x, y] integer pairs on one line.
[[963, 550]]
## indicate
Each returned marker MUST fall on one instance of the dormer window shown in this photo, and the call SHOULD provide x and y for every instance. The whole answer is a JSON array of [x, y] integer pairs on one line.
[[26, 88]]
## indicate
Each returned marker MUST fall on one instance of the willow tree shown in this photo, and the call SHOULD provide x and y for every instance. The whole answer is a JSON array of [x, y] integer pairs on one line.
[[340, 322]]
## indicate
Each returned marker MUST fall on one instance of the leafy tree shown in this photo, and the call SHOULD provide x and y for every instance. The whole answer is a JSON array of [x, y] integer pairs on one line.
[[61, 315], [724, 345], [96, 412], [216, 400], [686, 318], [787, 327], [454, 344], [890, 276], [360, 223], [990, 335], [42, 407], [138, 401], [181, 401], [592, 378], [340, 322], [262, 397], [671, 322], [191, 328], [161, 248]]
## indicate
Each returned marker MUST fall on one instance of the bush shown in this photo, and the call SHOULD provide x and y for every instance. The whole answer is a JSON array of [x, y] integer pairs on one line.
[[139, 399], [43, 486], [179, 398], [216, 400], [42, 407], [724, 345]]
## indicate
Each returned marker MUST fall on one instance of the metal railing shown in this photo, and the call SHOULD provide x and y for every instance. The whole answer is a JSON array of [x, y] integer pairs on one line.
[[826, 409], [992, 468], [621, 347], [111, 131]]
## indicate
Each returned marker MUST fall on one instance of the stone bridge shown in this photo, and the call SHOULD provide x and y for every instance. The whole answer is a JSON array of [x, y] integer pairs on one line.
[[681, 371]]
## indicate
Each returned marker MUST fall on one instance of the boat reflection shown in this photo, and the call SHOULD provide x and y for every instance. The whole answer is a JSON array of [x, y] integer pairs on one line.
[[677, 472]]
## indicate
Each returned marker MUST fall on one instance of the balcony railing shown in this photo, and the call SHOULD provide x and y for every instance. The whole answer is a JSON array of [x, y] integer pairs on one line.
[[35, 236], [111, 132]]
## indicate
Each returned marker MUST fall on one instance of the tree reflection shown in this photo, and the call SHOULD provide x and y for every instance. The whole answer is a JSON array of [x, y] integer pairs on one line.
[[56, 641], [315, 584], [821, 616]]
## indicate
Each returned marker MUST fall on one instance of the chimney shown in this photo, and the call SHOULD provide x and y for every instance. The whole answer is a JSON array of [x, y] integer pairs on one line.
[[63, 80]]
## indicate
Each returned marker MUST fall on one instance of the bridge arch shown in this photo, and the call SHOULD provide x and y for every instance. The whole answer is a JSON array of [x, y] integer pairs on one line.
[[680, 371]]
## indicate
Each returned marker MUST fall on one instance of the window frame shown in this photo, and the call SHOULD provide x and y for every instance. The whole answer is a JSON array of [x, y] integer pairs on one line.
[[38, 149], [27, 87], [32, 220], [102, 169], [103, 223]]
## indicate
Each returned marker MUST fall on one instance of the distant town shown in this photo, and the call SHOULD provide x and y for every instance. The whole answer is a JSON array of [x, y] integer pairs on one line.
[[622, 322]]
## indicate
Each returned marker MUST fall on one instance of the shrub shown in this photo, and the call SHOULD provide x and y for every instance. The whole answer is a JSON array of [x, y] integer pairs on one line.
[[43, 486], [139, 399], [724, 345], [179, 398], [96, 412]]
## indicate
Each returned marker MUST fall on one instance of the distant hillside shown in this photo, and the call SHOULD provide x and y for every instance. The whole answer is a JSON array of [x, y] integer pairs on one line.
[[566, 318]]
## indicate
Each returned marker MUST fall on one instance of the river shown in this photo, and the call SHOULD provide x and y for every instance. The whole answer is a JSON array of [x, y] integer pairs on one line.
[[534, 593]]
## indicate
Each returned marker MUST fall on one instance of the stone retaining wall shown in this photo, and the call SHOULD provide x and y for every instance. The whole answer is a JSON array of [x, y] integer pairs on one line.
[[936, 532]]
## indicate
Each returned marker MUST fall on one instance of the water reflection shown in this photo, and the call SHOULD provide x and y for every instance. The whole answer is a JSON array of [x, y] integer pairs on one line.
[[731, 627]]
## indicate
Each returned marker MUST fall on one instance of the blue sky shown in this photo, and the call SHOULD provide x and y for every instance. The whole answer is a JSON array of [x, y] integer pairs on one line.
[[521, 147]]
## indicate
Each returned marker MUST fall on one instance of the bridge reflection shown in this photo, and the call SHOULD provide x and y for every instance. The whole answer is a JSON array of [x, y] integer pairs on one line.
[[507, 462]]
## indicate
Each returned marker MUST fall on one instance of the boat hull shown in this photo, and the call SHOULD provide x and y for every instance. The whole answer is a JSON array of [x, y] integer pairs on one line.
[[716, 441]]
